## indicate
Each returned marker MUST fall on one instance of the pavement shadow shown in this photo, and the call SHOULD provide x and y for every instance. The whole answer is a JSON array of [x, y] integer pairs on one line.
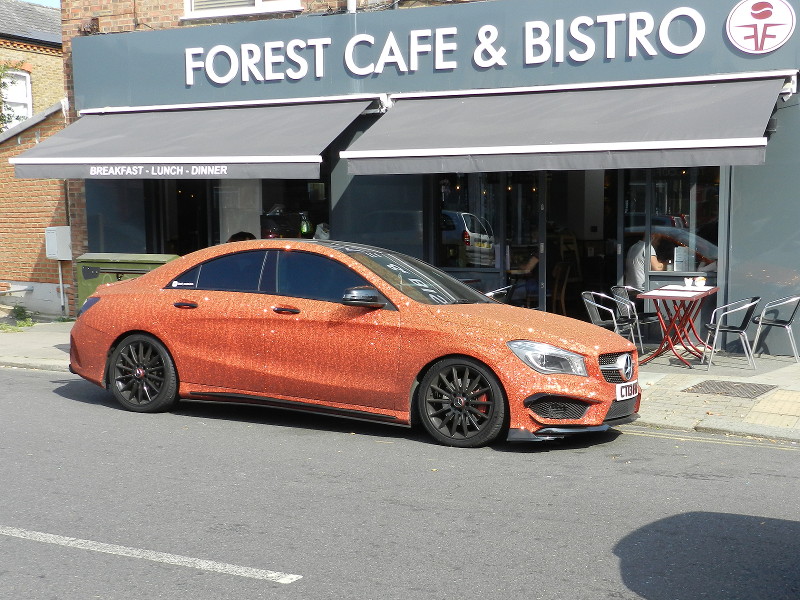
[[712, 555]]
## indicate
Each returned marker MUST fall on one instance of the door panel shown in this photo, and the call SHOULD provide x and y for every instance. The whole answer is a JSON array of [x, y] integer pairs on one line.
[[334, 353]]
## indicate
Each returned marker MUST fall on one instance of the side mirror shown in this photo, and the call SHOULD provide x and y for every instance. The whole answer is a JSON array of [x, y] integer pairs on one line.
[[367, 297]]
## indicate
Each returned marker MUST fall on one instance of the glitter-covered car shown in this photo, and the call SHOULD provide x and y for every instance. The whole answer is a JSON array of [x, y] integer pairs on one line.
[[354, 331]]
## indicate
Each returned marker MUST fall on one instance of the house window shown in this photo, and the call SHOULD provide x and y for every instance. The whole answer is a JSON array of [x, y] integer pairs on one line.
[[204, 9], [17, 97]]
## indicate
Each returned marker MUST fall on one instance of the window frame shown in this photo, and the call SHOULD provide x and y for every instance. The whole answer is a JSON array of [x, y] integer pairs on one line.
[[260, 7], [27, 102]]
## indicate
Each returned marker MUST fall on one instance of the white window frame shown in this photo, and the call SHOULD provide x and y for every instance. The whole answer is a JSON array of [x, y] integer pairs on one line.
[[21, 104], [261, 7]]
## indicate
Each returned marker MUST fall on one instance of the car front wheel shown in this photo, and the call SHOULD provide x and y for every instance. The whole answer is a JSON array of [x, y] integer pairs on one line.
[[461, 403], [142, 376]]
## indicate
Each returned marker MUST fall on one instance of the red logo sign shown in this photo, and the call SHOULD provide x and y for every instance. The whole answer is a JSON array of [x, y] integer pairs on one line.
[[759, 27]]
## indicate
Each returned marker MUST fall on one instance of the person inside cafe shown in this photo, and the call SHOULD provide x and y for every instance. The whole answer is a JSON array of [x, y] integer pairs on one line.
[[241, 236], [639, 256]]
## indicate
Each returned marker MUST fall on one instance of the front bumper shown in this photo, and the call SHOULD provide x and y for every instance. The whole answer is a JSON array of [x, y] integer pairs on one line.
[[559, 432]]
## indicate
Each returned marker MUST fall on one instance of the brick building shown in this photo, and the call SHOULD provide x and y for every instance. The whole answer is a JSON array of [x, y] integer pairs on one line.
[[30, 44]]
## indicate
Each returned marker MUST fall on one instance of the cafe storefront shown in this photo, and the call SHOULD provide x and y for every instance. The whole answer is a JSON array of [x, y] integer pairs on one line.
[[478, 136]]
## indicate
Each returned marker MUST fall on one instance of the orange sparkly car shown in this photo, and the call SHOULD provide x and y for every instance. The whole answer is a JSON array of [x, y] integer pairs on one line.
[[354, 331]]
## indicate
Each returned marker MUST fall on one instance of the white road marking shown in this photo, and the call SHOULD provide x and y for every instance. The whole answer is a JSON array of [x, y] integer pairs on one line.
[[170, 559]]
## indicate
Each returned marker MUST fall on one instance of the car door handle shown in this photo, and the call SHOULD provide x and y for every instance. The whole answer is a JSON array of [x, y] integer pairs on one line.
[[185, 305], [283, 310]]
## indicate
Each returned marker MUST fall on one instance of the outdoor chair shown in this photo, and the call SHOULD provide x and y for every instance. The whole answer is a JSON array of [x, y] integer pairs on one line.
[[791, 303], [627, 308], [719, 324], [601, 314]]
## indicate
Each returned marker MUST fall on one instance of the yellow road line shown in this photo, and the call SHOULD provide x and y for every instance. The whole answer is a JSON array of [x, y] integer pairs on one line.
[[773, 445]]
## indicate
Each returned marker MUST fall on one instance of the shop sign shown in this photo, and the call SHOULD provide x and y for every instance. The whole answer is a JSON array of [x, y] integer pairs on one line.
[[758, 27], [146, 171], [497, 44], [578, 40]]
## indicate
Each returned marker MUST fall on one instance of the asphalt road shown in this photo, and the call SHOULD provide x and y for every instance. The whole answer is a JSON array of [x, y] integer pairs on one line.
[[215, 502]]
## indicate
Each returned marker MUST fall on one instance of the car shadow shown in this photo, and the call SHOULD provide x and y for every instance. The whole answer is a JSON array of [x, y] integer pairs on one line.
[[574, 442], [80, 390], [712, 555]]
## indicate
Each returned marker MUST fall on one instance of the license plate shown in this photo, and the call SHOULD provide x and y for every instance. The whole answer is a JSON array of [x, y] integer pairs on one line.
[[628, 390]]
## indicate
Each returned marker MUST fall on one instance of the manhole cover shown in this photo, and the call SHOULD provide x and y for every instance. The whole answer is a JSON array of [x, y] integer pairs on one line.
[[730, 388]]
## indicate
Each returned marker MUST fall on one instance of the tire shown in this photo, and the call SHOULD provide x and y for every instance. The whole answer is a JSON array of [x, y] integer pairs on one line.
[[461, 403], [142, 375]]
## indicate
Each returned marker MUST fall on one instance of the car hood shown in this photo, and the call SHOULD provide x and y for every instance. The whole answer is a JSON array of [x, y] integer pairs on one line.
[[515, 323]]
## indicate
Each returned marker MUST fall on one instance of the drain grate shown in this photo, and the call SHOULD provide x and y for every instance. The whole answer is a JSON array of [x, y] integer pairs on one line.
[[730, 388]]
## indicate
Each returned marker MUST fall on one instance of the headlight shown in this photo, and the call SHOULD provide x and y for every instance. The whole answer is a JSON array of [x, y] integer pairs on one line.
[[548, 359]]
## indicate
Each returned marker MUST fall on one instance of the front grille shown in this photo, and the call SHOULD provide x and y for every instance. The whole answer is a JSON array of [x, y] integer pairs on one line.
[[611, 374], [556, 407], [622, 408]]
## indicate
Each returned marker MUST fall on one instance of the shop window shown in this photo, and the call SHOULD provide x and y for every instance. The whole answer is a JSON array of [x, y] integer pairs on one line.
[[204, 9], [467, 211], [17, 98], [679, 209], [293, 209]]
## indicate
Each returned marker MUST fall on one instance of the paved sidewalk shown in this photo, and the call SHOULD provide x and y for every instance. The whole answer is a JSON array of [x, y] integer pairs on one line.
[[731, 398]]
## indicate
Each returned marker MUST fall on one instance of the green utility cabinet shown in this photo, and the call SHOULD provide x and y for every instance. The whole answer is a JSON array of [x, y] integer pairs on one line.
[[97, 268]]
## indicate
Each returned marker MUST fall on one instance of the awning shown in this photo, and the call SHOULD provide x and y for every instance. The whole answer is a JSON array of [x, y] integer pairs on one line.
[[282, 141], [687, 124]]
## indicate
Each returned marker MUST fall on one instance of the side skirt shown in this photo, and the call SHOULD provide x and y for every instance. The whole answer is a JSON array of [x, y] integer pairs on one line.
[[303, 407]]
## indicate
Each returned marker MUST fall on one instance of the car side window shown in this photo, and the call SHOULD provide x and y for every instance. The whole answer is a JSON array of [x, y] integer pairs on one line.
[[237, 272], [306, 275]]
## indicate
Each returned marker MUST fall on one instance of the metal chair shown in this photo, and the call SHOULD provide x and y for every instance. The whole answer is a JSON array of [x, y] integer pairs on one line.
[[622, 294], [719, 325], [791, 303], [597, 303]]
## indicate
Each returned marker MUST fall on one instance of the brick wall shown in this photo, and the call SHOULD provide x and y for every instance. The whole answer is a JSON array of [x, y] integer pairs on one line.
[[27, 206]]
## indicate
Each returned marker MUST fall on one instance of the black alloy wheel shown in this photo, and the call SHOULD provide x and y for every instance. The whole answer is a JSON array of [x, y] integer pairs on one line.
[[461, 403], [142, 376]]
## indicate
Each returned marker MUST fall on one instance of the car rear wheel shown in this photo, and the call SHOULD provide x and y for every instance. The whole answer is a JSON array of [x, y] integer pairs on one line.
[[142, 376], [461, 403]]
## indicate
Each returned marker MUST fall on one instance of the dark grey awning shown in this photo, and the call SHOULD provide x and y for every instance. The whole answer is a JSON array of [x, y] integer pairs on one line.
[[224, 143], [687, 124]]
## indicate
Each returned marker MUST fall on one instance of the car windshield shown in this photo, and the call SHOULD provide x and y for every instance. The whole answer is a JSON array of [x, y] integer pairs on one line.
[[414, 278]]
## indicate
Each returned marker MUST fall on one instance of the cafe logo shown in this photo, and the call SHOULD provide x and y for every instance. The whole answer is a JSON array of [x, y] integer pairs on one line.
[[759, 27]]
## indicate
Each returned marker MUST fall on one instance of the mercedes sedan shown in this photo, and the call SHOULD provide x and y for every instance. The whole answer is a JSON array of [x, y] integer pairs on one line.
[[354, 331]]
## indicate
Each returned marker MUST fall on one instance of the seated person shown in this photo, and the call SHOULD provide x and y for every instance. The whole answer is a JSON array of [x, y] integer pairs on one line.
[[636, 261]]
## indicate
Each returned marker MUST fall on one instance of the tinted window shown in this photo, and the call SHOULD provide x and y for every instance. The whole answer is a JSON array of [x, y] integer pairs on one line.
[[187, 280], [305, 275], [238, 272]]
